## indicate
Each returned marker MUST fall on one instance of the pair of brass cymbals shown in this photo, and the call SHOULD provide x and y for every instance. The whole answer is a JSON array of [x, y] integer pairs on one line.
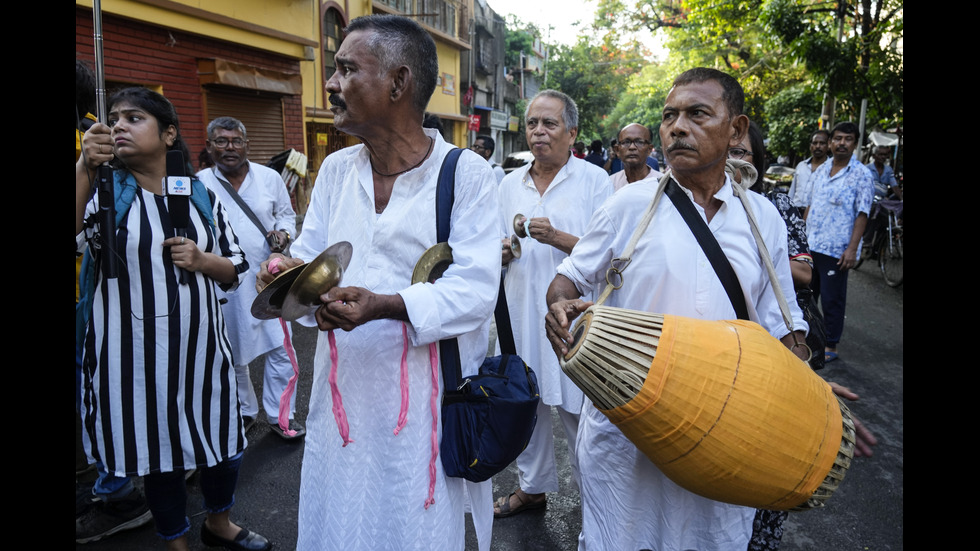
[[296, 291]]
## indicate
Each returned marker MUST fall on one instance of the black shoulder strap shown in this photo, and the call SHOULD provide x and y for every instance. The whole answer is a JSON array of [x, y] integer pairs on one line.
[[241, 202], [449, 349], [711, 248]]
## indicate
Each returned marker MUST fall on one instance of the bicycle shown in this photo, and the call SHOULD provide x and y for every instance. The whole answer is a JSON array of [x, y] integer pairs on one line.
[[887, 243], [891, 247]]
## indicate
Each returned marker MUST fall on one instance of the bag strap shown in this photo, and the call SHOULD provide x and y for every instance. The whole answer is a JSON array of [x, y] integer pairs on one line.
[[614, 275], [238, 199], [711, 248], [452, 374]]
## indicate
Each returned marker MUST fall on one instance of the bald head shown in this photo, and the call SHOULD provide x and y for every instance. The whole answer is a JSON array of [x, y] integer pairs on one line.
[[636, 126], [635, 146]]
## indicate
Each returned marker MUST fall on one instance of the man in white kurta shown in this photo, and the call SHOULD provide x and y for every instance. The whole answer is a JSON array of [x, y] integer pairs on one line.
[[635, 145], [263, 190], [371, 493], [557, 194], [627, 502]]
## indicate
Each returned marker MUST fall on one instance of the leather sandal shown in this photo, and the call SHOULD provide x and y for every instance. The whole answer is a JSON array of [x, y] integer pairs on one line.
[[502, 508]]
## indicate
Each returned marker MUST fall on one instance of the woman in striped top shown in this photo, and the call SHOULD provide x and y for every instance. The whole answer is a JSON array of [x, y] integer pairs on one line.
[[159, 394]]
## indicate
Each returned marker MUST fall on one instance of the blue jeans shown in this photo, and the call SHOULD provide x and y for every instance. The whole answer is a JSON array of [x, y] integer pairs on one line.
[[166, 494], [829, 284]]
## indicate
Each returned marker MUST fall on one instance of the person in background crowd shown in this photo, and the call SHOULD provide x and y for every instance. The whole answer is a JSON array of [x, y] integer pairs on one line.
[[613, 163], [484, 146], [799, 190], [595, 155], [635, 146], [840, 198], [268, 225]]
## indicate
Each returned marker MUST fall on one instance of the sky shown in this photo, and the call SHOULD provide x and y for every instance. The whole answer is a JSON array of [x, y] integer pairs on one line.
[[560, 14]]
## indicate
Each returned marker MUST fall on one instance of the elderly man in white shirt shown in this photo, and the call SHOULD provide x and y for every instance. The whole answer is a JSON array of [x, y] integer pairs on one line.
[[556, 194], [264, 193]]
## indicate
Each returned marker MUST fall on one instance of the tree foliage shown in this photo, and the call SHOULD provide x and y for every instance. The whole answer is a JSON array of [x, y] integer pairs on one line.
[[864, 62], [594, 75], [787, 54]]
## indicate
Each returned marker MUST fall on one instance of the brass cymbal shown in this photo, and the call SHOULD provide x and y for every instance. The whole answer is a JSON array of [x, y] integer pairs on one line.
[[519, 228], [433, 263], [268, 304], [318, 277], [515, 246]]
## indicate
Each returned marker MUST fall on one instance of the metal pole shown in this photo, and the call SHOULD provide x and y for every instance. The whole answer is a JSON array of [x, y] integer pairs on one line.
[[103, 175]]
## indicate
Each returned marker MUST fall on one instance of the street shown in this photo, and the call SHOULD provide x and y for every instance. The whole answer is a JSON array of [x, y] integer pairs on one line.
[[866, 512]]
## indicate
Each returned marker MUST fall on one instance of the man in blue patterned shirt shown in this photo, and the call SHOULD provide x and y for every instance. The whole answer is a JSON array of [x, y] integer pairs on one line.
[[836, 218]]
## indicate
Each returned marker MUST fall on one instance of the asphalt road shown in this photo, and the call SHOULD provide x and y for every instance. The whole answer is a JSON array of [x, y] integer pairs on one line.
[[865, 514]]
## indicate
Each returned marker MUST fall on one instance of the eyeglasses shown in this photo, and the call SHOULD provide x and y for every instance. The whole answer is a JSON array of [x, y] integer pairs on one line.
[[223, 142], [738, 153], [477, 146], [637, 143]]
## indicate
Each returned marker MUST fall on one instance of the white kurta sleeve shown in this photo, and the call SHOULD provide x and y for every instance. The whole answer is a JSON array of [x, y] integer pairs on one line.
[[464, 297]]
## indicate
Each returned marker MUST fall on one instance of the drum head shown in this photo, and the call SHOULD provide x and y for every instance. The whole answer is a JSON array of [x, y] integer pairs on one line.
[[578, 333]]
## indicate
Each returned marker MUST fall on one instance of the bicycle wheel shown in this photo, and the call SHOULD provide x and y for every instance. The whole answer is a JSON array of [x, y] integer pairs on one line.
[[891, 260]]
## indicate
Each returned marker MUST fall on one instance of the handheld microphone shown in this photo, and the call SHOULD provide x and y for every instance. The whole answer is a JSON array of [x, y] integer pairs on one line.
[[178, 187]]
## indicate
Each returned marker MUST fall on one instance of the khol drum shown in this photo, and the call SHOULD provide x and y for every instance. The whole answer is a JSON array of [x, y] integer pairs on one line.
[[721, 407]]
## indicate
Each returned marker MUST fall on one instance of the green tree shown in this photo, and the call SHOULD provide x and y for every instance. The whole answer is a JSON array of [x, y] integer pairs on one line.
[[851, 49], [791, 121], [594, 75]]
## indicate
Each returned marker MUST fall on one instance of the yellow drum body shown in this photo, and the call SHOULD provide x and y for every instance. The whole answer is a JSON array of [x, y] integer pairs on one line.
[[727, 412]]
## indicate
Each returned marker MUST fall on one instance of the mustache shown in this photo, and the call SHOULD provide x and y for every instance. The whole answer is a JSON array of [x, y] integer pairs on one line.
[[680, 144], [337, 101]]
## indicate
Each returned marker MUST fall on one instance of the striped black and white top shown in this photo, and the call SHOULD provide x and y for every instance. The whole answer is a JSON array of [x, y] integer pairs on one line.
[[159, 390]]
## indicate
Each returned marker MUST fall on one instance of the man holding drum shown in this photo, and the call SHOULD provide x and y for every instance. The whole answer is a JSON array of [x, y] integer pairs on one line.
[[627, 502]]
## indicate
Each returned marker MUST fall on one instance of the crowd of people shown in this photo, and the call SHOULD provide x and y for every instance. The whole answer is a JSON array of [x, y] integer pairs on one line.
[[165, 339]]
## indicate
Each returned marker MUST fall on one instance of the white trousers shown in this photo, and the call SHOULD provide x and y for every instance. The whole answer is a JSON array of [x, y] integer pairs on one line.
[[278, 370], [536, 468]]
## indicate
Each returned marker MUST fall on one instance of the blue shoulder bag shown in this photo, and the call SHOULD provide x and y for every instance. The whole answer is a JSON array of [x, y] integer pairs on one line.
[[488, 418]]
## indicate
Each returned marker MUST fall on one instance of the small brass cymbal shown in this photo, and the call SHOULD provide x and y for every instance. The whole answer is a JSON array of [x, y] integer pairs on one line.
[[519, 227], [515, 246], [433, 263], [318, 277], [268, 304]]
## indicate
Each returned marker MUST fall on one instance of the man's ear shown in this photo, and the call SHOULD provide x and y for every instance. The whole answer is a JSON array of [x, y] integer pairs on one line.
[[401, 78], [740, 127], [574, 133]]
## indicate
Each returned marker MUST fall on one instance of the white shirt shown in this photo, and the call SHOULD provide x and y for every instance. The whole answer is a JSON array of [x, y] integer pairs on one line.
[[370, 494], [265, 193], [569, 201], [498, 171], [627, 503], [800, 189], [618, 180]]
